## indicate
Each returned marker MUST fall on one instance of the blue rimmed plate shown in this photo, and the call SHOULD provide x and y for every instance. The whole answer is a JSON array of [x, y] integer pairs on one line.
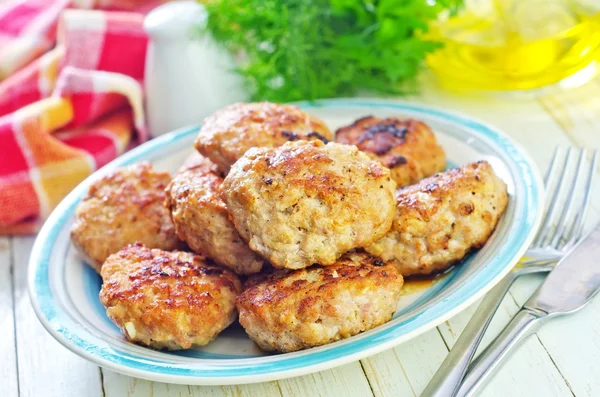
[[64, 291]]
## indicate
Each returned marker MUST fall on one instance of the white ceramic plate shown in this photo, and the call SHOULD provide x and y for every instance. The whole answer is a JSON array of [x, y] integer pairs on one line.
[[64, 290]]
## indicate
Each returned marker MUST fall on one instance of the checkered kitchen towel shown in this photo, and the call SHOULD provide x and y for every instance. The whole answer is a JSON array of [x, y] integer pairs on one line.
[[71, 110]]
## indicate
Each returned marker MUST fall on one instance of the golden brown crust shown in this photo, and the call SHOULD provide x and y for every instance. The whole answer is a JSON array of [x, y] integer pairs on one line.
[[200, 163], [167, 299], [226, 135], [292, 310], [202, 220], [307, 202], [122, 208], [442, 217], [407, 147]]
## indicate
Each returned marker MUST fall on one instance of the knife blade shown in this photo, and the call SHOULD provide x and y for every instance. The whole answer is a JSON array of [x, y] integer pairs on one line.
[[574, 281], [572, 284]]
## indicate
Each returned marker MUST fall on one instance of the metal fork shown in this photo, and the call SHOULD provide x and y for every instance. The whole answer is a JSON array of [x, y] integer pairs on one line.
[[554, 238]]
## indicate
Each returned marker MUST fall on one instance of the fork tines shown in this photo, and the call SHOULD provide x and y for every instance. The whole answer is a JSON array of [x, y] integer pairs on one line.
[[569, 182]]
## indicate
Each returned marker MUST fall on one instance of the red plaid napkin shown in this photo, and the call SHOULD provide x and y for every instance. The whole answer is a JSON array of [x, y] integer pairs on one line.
[[71, 110]]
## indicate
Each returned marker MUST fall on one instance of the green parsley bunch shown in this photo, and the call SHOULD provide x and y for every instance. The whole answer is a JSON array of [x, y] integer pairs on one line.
[[306, 49]]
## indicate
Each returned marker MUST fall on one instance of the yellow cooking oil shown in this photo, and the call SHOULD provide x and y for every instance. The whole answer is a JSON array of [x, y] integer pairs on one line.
[[503, 45]]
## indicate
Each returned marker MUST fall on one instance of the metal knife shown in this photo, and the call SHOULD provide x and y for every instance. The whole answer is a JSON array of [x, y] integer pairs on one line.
[[571, 285]]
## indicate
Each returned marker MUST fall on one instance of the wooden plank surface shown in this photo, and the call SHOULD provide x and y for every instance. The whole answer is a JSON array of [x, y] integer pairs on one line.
[[406, 369], [561, 360], [45, 367], [8, 347], [348, 380], [117, 385]]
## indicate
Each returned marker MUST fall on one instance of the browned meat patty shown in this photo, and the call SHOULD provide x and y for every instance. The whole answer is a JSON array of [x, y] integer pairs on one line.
[[292, 310], [407, 147], [226, 135], [441, 218], [122, 208], [172, 300], [306, 202], [202, 220]]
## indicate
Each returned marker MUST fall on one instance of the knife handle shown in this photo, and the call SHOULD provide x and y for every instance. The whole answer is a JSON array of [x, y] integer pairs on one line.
[[450, 375], [525, 323]]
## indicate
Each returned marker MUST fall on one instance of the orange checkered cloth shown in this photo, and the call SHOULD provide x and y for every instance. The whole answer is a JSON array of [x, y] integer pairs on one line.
[[71, 110]]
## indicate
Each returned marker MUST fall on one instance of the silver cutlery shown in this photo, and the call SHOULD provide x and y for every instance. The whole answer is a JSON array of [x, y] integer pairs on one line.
[[570, 286], [563, 176]]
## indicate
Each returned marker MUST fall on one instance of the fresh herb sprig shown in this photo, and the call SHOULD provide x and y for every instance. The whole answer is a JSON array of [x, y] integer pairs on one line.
[[307, 49]]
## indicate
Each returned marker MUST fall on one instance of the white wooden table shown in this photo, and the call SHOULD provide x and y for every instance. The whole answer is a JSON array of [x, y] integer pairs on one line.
[[563, 359]]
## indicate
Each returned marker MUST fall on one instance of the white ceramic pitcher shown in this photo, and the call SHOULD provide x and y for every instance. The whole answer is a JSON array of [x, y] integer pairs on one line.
[[188, 76]]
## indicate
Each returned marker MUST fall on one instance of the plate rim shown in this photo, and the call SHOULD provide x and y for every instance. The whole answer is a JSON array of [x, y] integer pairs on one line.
[[52, 226]]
